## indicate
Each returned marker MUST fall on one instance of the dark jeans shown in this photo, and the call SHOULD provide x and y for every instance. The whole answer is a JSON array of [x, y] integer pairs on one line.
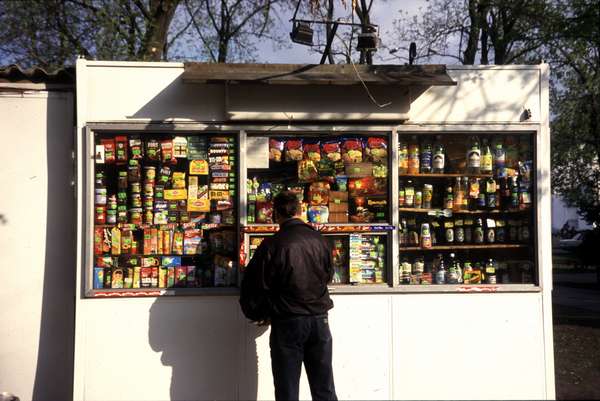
[[302, 339]]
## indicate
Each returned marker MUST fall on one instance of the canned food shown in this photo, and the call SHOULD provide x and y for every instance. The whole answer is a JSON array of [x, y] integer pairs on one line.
[[136, 200], [112, 202], [148, 217], [136, 187], [135, 216], [122, 216], [100, 215], [121, 197], [111, 216], [100, 198], [149, 188], [148, 202], [122, 179], [150, 172]]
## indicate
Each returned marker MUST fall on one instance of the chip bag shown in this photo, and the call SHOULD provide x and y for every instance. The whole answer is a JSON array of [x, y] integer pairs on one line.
[[293, 150], [276, 149], [312, 151], [352, 151]]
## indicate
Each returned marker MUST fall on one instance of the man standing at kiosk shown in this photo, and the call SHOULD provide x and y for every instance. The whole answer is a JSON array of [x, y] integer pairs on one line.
[[285, 284]]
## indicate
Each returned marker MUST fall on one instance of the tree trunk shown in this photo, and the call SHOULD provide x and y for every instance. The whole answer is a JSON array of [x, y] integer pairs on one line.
[[329, 29], [473, 39], [157, 27]]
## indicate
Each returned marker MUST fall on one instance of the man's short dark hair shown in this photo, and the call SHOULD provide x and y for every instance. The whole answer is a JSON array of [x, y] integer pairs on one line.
[[286, 204]]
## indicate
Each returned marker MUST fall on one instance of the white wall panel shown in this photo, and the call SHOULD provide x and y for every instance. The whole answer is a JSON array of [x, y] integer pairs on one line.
[[482, 95], [36, 244], [468, 346]]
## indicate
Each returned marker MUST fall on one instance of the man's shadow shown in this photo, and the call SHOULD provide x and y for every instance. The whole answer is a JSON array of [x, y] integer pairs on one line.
[[210, 346]]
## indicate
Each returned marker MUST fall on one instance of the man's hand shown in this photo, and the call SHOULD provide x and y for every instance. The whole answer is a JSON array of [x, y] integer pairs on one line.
[[265, 322]]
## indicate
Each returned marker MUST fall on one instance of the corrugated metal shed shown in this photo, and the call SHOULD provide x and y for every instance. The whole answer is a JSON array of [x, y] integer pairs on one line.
[[15, 74]]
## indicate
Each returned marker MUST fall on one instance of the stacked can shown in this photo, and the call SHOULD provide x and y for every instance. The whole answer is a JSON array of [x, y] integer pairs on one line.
[[122, 196], [149, 184], [221, 162], [135, 190]]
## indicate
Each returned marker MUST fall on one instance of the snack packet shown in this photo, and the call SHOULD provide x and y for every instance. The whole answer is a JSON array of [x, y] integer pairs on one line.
[[352, 151], [332, 151], [312, 151], [121, 149], [276, 147], [109, 150], [376, 149], [166, 149], [136, 150], [318, 214], [152, 150], [318, 193], [293, 150], [307, 171]]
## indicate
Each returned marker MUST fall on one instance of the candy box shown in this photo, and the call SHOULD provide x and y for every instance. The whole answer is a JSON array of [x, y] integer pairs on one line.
[[154, 277], [338, 217], [379, 207], [150, 261], [128, 277], [180, 276], [137, 271], [338, 202], [318, 193], [318, 214], [170, 261], [98, 277], [358, 170], [162, 277], [117, 278], [191, 276], [180, 147], [359, 213]]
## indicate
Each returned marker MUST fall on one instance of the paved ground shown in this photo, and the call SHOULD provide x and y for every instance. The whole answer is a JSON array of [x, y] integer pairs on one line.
[[576, 308]]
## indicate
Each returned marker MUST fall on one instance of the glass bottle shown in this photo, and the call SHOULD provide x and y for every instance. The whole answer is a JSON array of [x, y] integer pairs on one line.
[[449, 198], [473, 156], [426, 158], [500, 158], [490, 272], [402, 158], [478, 231], [413, 156], [459, 194], [467, 272], [490, 193], [409, 194], [486, 158], [427, 196], [473, 193], [514, 193], [439, 157], [403, 233], [476, 274], [425, 236], [441, 274], [465, 188], [413, 234], [453, 270], [401, 194]]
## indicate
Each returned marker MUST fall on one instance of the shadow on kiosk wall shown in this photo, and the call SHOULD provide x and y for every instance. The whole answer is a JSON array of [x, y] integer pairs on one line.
[[209, 345]]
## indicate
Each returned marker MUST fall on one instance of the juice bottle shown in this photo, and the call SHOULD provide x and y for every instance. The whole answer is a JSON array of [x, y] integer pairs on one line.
[[402, 158], [413, 156]]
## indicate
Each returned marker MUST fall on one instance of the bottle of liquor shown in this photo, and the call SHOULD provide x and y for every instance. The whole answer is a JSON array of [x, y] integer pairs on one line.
[[405, 271], [439, 157], [478, 233], [500, 158], [473, 193], [441, 274], [490, 231], [504, 199], [490, 193], [413, 156], [449, 231], [459, 232], [449, 198], [402, 158], [490, 272], [465, 200], [514, 193], [459, 194], [426, 157], [473, 156], [476, 275], [453, 270], [486, 158]]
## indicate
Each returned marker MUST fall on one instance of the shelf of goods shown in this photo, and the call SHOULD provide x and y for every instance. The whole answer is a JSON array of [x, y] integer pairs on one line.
[[341, 181], [466, 209], [165, 212]]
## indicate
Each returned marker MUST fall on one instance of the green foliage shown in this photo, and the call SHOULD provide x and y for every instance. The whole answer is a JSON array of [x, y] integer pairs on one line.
[[575, 101]]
